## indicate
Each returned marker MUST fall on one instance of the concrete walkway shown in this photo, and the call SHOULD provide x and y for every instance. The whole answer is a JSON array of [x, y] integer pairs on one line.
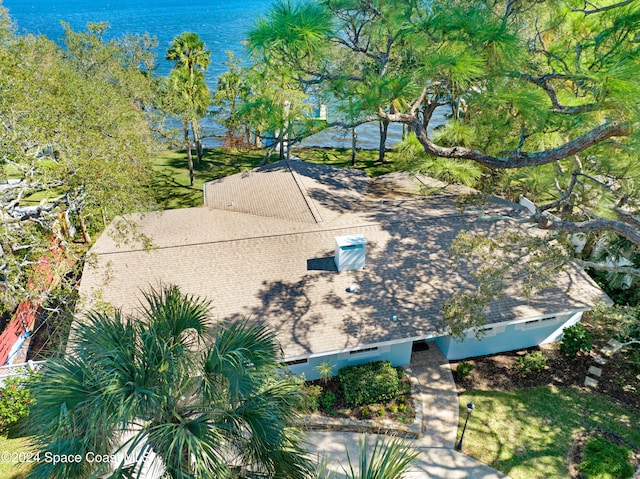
[[438, 395], [431, 463], [437, 459]]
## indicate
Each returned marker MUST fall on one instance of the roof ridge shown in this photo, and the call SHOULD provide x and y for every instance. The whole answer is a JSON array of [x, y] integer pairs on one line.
[[313, 209]]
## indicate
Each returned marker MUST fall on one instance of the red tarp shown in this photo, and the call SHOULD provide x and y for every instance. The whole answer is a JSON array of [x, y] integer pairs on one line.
[[25, 316]]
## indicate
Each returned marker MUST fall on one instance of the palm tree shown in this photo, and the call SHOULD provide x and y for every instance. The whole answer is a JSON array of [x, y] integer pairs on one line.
[[166, 388], [188, 97], [385, 461], [189, 52]]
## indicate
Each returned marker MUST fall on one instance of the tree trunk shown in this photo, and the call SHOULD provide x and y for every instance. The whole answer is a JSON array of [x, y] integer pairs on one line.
[[83, 228], [354, 142], [384, 129], [197, 140], [187, 145], [281, 144], [517, 158]]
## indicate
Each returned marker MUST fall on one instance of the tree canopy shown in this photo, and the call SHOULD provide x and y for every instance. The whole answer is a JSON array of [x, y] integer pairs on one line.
[[171, 390], [75, 140], [531, 83]]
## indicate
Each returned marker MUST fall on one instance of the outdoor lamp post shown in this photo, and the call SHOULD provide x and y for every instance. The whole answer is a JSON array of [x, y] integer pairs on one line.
[[470, 407]]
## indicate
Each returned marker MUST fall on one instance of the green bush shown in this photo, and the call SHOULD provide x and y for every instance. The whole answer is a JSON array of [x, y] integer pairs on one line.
[[324, 370], [369, 383], [602, 459], [15, 400], [533, 361], [327, 401], [311, 397], [463, 369], [576, 339]]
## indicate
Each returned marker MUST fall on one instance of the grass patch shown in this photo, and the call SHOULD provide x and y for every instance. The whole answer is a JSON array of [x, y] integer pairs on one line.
[[171, 188], [366, 160], [528, 433], [17, 448], [605, 460]]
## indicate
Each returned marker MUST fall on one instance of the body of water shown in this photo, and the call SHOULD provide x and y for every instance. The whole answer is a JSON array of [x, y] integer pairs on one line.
[[221, 24]]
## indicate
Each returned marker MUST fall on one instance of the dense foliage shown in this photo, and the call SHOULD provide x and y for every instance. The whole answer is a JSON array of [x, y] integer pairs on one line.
[[605, 460], [531, 362], [174, 391], [16, 400], [75, 143], [575, 339], [369, 383]]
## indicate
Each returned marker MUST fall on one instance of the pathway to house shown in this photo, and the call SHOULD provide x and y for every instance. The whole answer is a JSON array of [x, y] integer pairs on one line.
[[437, 458]]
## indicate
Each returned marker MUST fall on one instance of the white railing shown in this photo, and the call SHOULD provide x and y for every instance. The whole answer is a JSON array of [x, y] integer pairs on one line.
[[21, 369]]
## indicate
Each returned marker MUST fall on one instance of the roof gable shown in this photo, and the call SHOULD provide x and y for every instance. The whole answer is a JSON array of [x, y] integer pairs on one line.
[[279, 271], [291, 190]]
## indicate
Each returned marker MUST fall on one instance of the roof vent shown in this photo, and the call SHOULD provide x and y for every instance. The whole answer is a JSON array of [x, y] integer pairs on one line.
[[350, 252]]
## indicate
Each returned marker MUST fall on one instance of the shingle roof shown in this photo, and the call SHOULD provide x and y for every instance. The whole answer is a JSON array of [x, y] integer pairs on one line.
[[291, 190], [281, 271]]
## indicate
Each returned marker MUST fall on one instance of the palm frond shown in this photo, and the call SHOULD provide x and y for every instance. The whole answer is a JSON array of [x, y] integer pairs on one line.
[[385, 461], [184, 319]]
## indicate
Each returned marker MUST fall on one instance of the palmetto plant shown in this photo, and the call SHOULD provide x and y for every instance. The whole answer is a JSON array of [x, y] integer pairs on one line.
[[168, 389], [387, 460]]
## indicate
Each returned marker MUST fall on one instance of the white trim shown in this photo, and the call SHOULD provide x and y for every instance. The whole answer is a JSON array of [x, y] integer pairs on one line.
[[488, 331], [383, 344], [497, 325], [567, 313], [541, 322]]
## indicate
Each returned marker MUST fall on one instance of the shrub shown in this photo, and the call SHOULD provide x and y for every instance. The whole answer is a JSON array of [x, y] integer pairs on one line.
[[327, 400], [325, 370], [463, 369], [603, 459], [381, 411], [576, 338], [532, 362], [15, 401], [311, 397], [365, 413], [369, 383]]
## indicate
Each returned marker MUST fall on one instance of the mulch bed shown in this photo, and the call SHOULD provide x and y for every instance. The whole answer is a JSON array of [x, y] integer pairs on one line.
[[400, 409], [499, 372]]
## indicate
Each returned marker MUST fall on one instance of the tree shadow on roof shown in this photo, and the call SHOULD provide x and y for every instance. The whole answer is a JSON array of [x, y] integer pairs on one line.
[[322, 264]]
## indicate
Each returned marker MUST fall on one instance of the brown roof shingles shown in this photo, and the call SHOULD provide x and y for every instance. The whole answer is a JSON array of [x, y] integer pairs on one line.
[[281, 272]]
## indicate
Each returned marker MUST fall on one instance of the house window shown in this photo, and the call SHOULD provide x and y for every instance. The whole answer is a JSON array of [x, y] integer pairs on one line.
[[295, 362], [365, 350], [486, 332], [535, 323]]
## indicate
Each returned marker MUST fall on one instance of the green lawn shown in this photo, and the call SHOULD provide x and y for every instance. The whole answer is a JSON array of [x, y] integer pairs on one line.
[[170, 184], [16, 448], [527, 434], [171, 181]]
